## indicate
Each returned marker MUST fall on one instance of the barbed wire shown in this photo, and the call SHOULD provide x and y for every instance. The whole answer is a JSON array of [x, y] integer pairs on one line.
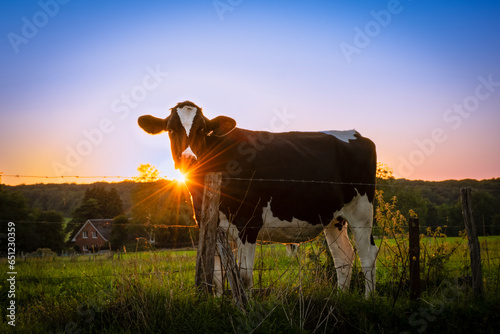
[[444, 226], [110, 223], [69, 176], [250, 180], [275, 180], [289, 268]]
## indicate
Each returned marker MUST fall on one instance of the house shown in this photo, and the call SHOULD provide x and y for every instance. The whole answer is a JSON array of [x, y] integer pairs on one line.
[[93, 235]]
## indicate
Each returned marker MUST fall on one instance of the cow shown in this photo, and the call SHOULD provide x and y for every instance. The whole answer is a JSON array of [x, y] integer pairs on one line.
[[279, 187]]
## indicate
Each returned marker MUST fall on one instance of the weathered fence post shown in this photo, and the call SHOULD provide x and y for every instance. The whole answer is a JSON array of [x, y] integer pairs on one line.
[[229, 264], [414, 232], [474, 248], [208, 232]]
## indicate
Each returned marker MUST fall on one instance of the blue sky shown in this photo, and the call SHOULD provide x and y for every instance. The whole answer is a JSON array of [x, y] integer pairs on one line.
[[420, 78]]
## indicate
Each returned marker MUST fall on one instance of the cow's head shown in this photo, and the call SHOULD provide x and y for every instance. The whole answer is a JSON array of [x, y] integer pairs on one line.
[[191, 133]]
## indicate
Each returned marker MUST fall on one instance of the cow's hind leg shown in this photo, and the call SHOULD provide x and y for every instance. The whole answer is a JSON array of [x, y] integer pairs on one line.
[[246, 259], [342, 252], [360, 217]]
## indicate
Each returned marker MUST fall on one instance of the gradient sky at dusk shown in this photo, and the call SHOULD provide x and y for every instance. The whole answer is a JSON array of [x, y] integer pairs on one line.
[[420, 78]]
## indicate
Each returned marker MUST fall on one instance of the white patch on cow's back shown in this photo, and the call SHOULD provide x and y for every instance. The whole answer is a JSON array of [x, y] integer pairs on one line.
[[277, 230], [345, 136], [187, 114]]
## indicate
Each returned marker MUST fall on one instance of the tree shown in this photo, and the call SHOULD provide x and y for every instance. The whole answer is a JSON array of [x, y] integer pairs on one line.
[[408, 198], [119, 233], [484, 207], [157, 205], [49, 228], [12, 206], [147, 173], [495, 222], [97, 203], [89, 209], [109, 204], [44, 230], [38, 229], [384, 172], [450, 215]]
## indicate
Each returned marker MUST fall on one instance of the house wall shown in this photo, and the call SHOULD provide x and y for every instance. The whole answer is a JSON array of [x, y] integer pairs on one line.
[[92, 243]]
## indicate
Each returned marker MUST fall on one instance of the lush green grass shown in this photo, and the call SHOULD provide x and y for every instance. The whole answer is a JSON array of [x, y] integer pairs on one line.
[[153, 292]]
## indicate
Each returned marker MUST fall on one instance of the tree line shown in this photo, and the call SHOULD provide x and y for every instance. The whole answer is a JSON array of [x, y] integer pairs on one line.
[[50, 214], [439, 204], [153, 208]]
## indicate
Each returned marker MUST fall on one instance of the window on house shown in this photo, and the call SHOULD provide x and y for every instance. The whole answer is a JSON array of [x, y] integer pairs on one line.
[[94, 235], [85, 234]]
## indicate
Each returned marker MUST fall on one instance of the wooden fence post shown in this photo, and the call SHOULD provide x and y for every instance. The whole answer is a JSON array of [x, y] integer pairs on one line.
[[474, 248], [233, 274], [208, 232], [414, 232]]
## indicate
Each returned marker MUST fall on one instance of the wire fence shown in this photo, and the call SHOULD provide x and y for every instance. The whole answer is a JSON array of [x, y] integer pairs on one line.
[[422, 229], [431, 184], [490, 261], [293, 181], [18, 176]]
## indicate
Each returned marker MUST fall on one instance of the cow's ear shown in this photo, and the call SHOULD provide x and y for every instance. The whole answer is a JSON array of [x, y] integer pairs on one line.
[[221, 126], [152, 125]]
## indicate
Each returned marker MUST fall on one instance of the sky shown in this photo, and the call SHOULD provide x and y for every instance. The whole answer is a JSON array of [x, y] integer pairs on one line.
[[419, 78]]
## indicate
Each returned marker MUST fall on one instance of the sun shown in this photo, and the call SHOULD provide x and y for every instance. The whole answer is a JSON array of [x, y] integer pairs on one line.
[[179, 177]]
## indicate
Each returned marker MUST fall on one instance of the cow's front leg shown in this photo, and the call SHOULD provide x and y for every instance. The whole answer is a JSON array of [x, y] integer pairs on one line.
[[246, 259]]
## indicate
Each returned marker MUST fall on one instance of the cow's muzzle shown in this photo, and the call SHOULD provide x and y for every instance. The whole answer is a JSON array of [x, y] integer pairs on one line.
[[188, 159]]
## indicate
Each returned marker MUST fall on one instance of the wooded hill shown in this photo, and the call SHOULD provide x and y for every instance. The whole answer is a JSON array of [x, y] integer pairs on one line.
[[66, 197], [48, 216], [436, 203]]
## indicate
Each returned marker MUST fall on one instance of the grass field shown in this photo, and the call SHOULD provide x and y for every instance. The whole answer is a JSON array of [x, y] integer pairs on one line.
[[153, 292]]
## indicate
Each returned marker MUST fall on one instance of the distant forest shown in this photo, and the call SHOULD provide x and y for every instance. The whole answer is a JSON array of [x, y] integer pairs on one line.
[[439, 203], [156, 203], [49, 215], [65, 198]]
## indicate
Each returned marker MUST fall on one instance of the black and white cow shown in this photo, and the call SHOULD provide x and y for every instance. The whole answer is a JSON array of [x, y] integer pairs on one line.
[[280, 187]]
